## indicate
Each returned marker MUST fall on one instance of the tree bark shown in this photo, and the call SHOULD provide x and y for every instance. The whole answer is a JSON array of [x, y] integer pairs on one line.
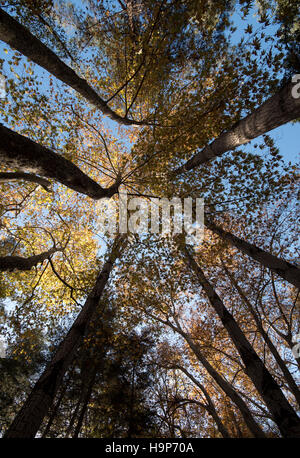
[[20, 38], [282, 412], [279, 109], [253, 426], [284, 269], [287, 375], [19, 152], [16, 176], [11, 263], [31, 415], [86, 399], [210, 405], [55, 409]]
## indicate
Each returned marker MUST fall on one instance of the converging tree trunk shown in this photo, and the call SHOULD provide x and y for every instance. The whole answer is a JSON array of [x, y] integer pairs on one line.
[[20, 38], [86, 399], [279, 109], [19, 152], [31, 415], [11, 263], [284, 269], [282, 412], [228, 389], [17, 176], [287, 375], [210, 407]]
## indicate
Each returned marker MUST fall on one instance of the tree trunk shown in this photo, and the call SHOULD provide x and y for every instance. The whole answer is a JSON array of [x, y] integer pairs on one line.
[[20, 38], [16, 176], [11, 263], [86, 399], [287, 375], [254, 428], [75, 412], [210, 405], [282, 412], [284, 269], [279, 109], [56, 408], [19, 152], [30, 417]]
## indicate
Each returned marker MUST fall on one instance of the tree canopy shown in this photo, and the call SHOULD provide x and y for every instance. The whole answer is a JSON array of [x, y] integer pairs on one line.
[[143, 333]]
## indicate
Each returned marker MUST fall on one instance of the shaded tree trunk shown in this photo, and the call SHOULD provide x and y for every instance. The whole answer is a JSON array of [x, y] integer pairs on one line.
[[16, 176], [30, 417], [75, 413], [282, 412], [86, 399], [11, 263], [210, 407], [19, 152], [253, 426], [284, 269], [287, 375], [20, 38], [279, 109], [55, 409]]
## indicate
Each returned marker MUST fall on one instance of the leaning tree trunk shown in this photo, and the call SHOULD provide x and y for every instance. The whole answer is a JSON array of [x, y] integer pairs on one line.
[[16, 176], [19, 152], [55, 409], [282, 412], [11, 263], [86, 399], [210, 407], [253, 426], [279, 109], [284, 269], [287, 375], [31, 415], [20, 38]]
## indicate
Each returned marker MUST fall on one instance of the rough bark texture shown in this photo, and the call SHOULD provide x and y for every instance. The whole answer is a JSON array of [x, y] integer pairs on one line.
[[11, 263], [253, 426], [19, 152], [16, 176], [284, 269], [277, 110], [18, 37], [31, 415], [282, 412], [287, 375]]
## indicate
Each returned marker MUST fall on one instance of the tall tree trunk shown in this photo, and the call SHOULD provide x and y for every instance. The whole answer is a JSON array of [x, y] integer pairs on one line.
[[284, 269], [16, 176], [19, 152], [30, 417], [20, 38], [75, 412], [253, 426], [287, 375], [56, 408], [86, 399], [210, 407], [282, 412], [279, 109], [11, 263]]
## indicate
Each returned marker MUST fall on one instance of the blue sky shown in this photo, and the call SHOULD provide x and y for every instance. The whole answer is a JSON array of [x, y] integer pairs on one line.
[[287, 136]]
